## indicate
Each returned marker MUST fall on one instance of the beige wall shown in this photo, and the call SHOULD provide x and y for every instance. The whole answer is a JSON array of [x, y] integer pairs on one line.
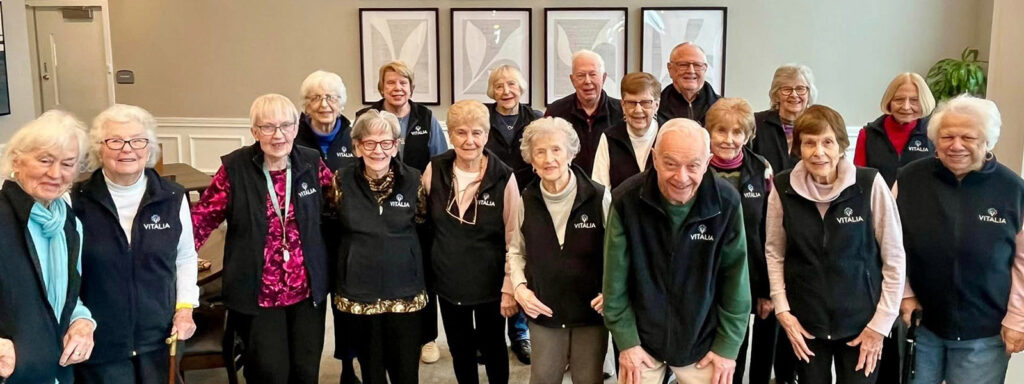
[[1006, 80], [19, 72], [211, 58]]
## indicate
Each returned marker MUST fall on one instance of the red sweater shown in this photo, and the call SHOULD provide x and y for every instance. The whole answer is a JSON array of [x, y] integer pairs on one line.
[[898, 135]]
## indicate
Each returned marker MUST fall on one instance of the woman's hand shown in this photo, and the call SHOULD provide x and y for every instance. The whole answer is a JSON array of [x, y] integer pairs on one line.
[[796, 334], [7, 358], [182, 324], [598, 303], [530, 303], [509, 307], [77, 343], [870, 350], [907, 308], [765, 308]]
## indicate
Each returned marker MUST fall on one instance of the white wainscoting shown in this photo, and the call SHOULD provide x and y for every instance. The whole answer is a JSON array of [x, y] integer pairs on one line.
[[201, 141]]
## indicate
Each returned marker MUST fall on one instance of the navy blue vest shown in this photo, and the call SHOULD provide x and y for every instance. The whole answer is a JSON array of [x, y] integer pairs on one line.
[[567, 277], [881, 155], [960, 243], [674, 105], [770, 141], [27, 318], [509, 152], [833, 268], [621, 159], [607, 114], [339, 152], [133, 311], [416, 152], [754, 196]]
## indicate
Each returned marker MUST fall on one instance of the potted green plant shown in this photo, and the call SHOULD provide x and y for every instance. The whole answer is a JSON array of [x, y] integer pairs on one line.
[[951, 77]]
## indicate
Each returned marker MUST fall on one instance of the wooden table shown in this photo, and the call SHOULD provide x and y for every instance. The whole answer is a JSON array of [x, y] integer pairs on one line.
[[190, 178], [213, 251]]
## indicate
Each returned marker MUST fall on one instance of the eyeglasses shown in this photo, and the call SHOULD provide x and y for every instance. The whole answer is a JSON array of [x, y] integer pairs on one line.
[[581, 76], [118, 144], [800, 90], [631, 104], [692, 65], [269, 130], [369, 145], [316, 99]]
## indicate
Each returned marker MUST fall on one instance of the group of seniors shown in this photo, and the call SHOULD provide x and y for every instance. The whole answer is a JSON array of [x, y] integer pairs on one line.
[[665, 218]]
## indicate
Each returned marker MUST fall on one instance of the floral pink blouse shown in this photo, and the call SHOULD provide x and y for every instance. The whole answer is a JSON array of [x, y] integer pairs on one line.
[[284, 282]]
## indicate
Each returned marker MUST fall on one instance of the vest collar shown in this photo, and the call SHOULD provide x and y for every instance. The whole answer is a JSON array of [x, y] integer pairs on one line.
[[707, 204], [298, 166], [987, 168], [490, 173], [306, 134], [706, 93], [95, 188]]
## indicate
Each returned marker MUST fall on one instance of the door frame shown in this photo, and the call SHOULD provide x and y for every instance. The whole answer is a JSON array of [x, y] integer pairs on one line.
[[104, 9]]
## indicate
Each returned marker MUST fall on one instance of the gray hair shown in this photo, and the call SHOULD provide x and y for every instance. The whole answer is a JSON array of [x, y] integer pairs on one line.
[[684, 127], [790, 73], [586, 53], [122, 113], [53, 129], [981, 110], [690, 43], [329, 82], [503, 71], [373, 121], [545, 126]]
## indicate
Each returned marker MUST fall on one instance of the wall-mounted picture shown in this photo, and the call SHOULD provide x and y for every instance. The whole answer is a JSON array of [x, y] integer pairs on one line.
[[5, 96], [664, 28], [567, 30], [484, 39], [409, 35]]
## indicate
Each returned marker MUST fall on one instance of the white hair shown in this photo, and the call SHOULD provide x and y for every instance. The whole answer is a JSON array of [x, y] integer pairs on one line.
[[549, 125], [791, 73], [328, 82], [373, 121], [122, 113], [983, 111], [54, 129], [685, 127], [588, 54]]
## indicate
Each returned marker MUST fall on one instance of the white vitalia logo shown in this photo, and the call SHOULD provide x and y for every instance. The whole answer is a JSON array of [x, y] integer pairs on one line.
[[702, 234], [584, 224], [306, 191], [344, 152], [918, 147], [750, 194], [991, 217], [399, 203], [156, 224], [485, 199], [849, 218], [418, 131]]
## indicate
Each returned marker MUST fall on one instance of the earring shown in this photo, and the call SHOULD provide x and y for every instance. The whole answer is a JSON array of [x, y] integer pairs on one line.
[[989, 156]]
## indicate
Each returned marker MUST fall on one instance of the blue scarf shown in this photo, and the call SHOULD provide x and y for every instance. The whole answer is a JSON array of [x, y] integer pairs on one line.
[[55, 274]]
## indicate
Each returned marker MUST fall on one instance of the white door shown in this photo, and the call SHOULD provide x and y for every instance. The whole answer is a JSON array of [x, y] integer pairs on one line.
[[71, 61]]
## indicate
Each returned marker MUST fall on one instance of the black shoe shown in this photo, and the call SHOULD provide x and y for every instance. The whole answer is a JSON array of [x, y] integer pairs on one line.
[[522, 350], [479, 357]]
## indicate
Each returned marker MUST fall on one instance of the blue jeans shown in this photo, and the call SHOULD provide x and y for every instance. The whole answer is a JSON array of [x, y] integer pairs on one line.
[[517, 327], [978, 361]]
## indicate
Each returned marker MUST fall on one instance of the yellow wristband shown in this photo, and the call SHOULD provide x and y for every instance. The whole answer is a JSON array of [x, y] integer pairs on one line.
[[183, 306]]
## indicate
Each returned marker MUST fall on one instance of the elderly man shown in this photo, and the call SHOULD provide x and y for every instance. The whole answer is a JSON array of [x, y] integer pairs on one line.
[[689, 96], [590, 110], [675, 278]]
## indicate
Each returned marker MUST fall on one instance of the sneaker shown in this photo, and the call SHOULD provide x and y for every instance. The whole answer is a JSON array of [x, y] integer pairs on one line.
[[430, 353], [522, 350]]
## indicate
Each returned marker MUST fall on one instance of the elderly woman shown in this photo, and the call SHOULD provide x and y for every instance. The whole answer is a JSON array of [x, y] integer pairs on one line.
[[962, 229], [625, 149], [791, 92], [899, 136], [44, 327], [380, 284], [730, 123], [321, 125], [275, 262], [421, 135], [834, 253], [154, 254], [556, 257], [508, 117], [469, 192]]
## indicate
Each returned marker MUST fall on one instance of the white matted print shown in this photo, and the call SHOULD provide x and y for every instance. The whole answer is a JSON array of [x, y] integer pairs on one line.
[[484, 39], [664, 28], [567, 30], [409, 35]]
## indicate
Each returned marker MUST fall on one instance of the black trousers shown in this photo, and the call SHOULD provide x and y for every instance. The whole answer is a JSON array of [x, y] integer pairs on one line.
[[147, 368], [428, 318], [463, 340], [770, 349], [282, 345], [819, 370], [387, 346]]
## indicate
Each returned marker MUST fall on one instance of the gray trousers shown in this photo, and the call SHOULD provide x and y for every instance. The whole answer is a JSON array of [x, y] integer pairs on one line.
[[581, 348]]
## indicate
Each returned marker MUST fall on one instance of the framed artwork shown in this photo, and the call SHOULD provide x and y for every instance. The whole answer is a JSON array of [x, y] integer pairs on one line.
[[664, 28], [484, 39], [567, 30], [406, 34], [5, 96]]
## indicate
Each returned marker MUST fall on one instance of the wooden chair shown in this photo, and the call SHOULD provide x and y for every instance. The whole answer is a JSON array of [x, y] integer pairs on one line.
[[214, 345]]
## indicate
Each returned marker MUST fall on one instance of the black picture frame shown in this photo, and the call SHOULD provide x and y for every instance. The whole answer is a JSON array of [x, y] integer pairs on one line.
[[428, 93], [654, 54], [555, 48], [5, 93], [472, 90]]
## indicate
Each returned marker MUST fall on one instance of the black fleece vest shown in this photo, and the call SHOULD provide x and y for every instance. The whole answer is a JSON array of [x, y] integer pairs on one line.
[[770, 141], [245, 241], [468, 259], [673, 282], [881, 155], [133, 311], [339, 152], [379, 257], [27, 318], [509, 152], [621, 158], [607, 114], [833, 268], [416, 152], [960, 243], [565, 277], [674, 105], [754, 197]]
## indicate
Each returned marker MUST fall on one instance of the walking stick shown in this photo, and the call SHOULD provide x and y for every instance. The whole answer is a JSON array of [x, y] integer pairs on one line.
[[172, 359], [911, 347]]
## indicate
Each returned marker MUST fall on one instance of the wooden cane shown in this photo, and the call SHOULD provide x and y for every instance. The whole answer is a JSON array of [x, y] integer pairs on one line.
[[172, 360]]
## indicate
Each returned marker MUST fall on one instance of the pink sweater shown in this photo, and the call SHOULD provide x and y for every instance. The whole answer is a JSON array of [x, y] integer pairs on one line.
[[888, 233]]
